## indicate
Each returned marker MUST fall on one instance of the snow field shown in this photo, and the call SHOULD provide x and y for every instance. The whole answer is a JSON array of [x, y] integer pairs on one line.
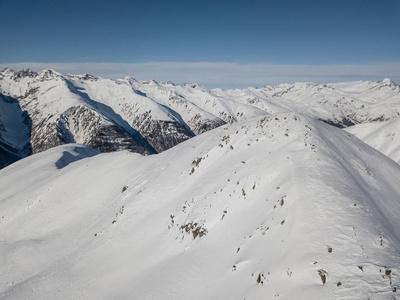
[[277, 206]]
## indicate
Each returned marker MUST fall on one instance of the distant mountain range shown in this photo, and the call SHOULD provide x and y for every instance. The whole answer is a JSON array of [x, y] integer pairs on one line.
[[41, 110]]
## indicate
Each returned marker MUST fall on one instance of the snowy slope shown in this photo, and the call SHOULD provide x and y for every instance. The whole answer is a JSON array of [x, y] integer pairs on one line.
[[14, 131], [279, 206], [162, 127], [60, 114], [383, 136], [150, 116], [341, 104], [165, 114]]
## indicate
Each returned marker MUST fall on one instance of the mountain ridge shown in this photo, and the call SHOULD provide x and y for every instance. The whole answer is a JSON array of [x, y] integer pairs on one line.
[[277, 206], [149, 116]]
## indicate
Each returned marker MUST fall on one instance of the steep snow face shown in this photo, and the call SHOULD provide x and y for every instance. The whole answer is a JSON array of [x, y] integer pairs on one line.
[[15, 128], [56, 108], [277, 206], [383, 136], [14, 125], [196, 99], [161, 126], [79, 124]]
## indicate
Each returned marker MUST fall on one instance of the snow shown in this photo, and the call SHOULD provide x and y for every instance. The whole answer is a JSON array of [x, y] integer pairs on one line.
[[383, 136], [272, 206], [160, 115], [14, 130]]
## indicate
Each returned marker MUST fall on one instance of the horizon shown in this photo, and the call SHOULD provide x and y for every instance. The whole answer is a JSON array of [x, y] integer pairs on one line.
[[226, 44], [144, 72]]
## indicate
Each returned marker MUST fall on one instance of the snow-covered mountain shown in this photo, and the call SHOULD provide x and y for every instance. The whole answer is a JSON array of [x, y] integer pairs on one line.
[[61, 114], [383, 136], [149, 116], [14, 131], [279, 206], [252, 197]]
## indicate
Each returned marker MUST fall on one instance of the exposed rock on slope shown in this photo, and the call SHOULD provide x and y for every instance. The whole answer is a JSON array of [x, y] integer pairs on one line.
[[60, 114]]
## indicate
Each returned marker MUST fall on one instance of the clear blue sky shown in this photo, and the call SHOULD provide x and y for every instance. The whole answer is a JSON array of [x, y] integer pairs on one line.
[[280, 32]]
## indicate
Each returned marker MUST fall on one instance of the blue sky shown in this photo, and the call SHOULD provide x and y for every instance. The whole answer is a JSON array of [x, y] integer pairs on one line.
[[257, 37]]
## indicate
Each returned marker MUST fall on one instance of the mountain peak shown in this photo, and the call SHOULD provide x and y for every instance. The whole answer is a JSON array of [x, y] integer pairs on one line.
[[24, 73], [387, 81], [7, 71], [48, 74], [85, 77]]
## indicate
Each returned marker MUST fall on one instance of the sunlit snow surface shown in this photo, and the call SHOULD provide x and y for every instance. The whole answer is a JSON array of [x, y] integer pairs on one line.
[[383, 136], [280, 206], [149, 116]]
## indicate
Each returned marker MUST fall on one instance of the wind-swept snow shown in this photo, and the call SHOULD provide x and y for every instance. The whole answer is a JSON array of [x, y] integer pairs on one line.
[[276, 206], [383, 136]]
